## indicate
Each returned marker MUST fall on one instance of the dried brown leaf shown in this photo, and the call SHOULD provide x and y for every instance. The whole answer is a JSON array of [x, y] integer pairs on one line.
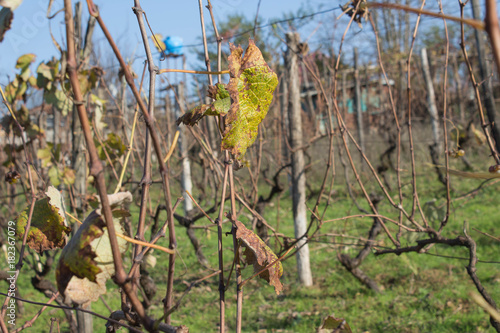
[[191, 118], [260, 255], [332, 324]]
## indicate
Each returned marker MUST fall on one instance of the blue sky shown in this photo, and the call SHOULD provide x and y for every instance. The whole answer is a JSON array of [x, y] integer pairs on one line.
[[30, 29]]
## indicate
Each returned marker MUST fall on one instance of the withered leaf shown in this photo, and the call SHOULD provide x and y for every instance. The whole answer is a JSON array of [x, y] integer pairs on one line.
[[331, 324], [6, 17], [220, 106], [192, 117], [12, 176], [87, 260], [77, 258], [260, 255]]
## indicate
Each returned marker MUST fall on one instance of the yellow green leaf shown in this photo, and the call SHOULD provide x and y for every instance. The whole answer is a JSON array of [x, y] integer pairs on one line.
[[32, 81], [25, 74], [44, 71], [16, 89], [45, 155], [245, 100], [251, 88], [54, 175], [25, 60], [88, 79], [158, 42], [68, 176], [47, 73]]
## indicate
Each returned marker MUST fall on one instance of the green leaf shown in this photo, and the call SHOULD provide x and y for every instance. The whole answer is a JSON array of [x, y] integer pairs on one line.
[[100, 108], [260, 255], [85, 85], [218, 91], [113, 145], [78, 256], [34, 131], [10, 91], [25, 74], [45, 71], [45, 154], [57, 98], [23, 117], [21, 90], [24, 61], [57, 152], [48, 230], [68, 176], [54, 65], [54, 176], [222, 100], [251, 88], [32, 81], [93, 201], [115, 142], [16, 89], [88, 79], [220, 107], [100, 150]]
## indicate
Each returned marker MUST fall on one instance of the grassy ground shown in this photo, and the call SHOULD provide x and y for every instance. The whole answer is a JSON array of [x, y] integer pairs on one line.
[[421, 292]]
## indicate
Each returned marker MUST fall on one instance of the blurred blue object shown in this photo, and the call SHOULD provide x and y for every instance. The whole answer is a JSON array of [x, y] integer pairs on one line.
[[174, 45]]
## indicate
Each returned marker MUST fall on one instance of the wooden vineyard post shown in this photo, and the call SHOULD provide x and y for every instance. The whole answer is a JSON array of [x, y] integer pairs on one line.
[[297, 158]]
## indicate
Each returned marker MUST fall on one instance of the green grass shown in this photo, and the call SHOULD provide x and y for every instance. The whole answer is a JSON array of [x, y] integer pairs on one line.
[[421, 292]]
